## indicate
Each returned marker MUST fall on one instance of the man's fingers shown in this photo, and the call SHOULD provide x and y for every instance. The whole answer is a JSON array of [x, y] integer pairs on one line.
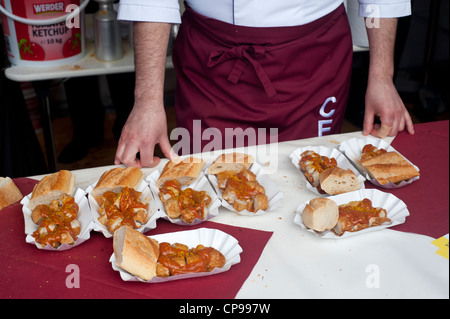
[[119, 152], [409, 123], [368, 122], [167, 149], [127, 155], [147, 158]]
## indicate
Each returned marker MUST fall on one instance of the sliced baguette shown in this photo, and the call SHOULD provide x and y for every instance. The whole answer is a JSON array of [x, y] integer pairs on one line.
[[231, 162], [116, 179], [135, 253], [9, 193], [185, 171], [52, 187], [336, 181], [390, 167]]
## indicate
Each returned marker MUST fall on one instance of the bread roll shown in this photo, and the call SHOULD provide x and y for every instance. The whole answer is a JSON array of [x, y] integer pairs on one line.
[[52, 187], [320, 214], [9, 193], [135, 252], [336, 181], [390, 167], [184, 171], [116, 179], [231, 162]]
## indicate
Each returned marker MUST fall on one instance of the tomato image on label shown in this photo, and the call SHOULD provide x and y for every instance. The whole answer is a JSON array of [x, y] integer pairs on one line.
[[31, 51], [72, 46]]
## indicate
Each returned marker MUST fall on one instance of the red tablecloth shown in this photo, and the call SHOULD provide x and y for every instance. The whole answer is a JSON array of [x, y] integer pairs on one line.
[[27, 272], [427, 199]]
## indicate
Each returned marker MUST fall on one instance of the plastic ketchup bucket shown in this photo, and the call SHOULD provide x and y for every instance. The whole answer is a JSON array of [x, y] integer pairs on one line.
[[43, 33]]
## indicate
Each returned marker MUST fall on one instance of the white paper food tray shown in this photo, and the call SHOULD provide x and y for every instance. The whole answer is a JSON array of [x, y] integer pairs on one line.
[[396, 211], [215, 238], [352, 149], [341, 160], [84, 217], [200, 184], [146, 197], [272, 191]]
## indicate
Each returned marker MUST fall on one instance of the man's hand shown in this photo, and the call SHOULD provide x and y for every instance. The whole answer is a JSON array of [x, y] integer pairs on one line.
[[142, 131], [382, 99]]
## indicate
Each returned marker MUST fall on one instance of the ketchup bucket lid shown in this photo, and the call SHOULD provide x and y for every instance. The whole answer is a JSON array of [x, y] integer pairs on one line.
[[76, 10]]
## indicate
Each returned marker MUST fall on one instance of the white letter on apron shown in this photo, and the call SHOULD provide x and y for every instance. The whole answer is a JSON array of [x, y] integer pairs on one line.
[[322, 112]]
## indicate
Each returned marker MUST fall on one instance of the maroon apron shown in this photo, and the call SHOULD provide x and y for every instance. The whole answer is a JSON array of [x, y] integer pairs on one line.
[[280, 83]]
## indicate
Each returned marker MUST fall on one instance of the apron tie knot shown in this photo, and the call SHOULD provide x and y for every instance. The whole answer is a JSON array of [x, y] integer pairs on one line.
[[243, 54]]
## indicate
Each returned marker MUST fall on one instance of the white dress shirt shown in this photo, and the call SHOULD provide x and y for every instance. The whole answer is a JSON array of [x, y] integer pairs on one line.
[[256, 13]]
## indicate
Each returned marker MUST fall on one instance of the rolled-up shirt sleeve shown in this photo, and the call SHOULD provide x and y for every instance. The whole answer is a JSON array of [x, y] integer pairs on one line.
[[384, 8], [150, 10]]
